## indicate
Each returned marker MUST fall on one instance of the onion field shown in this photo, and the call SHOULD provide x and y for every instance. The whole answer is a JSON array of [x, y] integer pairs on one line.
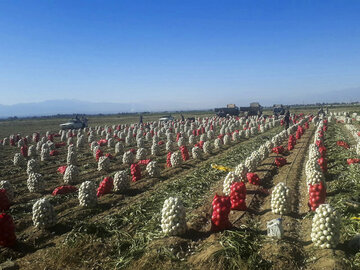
[[209, 193]]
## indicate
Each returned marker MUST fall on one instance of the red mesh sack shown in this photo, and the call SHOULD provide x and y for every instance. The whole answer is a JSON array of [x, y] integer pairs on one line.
[[62, 169], [105, 186], [184, 152], [144, 161], [102, 142], [317, 195], [280, 161], [50, 137], [61, 144], [278, 150], [168, 160], [220, 216], [64, 190], [4, 200], [353, 160], [99, 154], [343, 144], [253, 178], [24, 150], [7, 231], [323, 164], [54, 153], [238, 196], [135, 172]]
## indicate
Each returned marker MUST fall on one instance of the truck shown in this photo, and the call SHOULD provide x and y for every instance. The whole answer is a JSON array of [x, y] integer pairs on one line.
[[254, 109], [230, 109], [278, 109]]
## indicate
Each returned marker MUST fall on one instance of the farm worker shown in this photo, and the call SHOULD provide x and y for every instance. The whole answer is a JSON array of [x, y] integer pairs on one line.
[[182, 117], [140, 119], [321, 111], [287, 119]]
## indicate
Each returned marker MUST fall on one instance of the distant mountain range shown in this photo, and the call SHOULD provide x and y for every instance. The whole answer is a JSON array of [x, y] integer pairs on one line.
[[53, 107]]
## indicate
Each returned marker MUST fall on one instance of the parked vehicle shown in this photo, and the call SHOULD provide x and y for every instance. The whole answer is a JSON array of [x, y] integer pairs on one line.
[[74, 123], [166, 118]]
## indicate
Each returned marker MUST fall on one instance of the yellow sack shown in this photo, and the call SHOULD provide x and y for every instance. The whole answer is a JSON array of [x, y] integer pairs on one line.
[[221, 168]]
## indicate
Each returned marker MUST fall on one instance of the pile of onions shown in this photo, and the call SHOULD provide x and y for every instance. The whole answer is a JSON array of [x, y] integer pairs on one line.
[[173, 217], [43, 214], [121, 181], [325, 231], [280, 200]]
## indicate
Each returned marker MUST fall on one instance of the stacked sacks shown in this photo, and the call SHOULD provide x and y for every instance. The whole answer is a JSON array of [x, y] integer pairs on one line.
[[121, 181], [80, 141], [155, 149], [181, 142], [71, 156], [241, 171], [24, 151], [135, 172], [253, 178], [207, 147], [230, 178], [227, 140], [184, 153], [220, 216], [105, 186], [280, 200], [153, 169], [278, 150], [141, 154], [168, 160], [291, 142], [9, 189], [263, 152], [7, 229], [119, 148], [98, 154], [280, 161], [19, 160], [87, 194], [325, 231], [169, 146], [35, 182], [176, 159], [71, 174], [32, 151], [128, 158], [45, 152], [196, 152], [317, 195], [43, 214], [218, 143], [238, 196], [104, 164], [173, 217]]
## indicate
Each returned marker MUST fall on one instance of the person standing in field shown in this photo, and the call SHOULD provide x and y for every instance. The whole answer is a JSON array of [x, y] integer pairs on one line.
[[287, 119]]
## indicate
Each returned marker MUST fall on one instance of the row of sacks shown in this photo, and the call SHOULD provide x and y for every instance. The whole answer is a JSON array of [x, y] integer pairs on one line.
[[44, 215], [356, 135], [315, 168], [325, 231]]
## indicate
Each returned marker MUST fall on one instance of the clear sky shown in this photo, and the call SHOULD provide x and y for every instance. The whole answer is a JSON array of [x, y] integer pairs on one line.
[[201, 53]]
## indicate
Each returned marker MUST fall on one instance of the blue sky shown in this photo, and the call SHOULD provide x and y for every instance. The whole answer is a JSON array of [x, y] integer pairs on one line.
[[189, 53]]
